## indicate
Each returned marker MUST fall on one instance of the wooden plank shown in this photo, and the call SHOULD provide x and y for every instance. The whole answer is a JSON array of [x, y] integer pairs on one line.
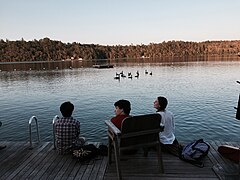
[[11, 150], [62, 171], [148, 167], [95, 170], [222, 160], [50, 158], [74, 170], [67, 174], [26, 163], [81, 171], [44, 163], [14, 160], [223, 167], [52, 165], [88, 170], [39, 163], [5, 153], [157, 177], [56, 167], [102, 168], [33, 161]]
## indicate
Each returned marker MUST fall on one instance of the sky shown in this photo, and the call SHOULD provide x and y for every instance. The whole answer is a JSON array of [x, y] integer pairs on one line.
[[120, 22]]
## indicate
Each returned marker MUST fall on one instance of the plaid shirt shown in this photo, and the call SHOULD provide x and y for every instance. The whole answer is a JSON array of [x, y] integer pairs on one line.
[[67, 131]]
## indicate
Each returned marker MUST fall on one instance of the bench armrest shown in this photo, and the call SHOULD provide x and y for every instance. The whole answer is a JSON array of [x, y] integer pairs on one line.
[[112, 128]]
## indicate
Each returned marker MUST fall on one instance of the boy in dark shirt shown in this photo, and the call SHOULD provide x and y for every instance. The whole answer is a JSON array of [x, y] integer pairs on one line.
[[67, 130]]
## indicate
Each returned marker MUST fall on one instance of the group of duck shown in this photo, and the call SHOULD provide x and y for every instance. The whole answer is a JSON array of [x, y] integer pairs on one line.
[[129, 75]]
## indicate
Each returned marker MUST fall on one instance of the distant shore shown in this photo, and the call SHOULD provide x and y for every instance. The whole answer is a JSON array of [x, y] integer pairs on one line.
[[52, 50], [70, 64]]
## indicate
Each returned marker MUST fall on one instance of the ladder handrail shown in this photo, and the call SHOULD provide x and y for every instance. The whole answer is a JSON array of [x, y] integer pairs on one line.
[[30, 130], [53, 122]]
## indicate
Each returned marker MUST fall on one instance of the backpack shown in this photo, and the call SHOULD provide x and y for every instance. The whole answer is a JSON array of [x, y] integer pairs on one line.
[[85, 153], [103, 150], [195, 152]]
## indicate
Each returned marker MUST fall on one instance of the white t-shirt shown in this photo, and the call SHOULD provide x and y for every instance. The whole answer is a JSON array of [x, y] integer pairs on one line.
[[167, 136]]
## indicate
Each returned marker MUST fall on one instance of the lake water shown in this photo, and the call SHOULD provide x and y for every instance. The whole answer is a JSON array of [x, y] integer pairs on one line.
[[202, 97]]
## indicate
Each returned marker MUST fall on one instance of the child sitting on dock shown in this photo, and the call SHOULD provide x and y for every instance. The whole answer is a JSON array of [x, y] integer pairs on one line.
[[168, 140], [122, 110], [67, 130]]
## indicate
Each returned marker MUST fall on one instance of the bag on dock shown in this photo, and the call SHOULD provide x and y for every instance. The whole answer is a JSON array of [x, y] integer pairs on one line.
[[194, 152], [85, 153], [103, 150]]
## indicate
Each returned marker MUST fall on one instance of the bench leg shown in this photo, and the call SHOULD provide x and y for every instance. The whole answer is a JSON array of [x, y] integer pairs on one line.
[[117, 158], [109, 150], [160, 160]]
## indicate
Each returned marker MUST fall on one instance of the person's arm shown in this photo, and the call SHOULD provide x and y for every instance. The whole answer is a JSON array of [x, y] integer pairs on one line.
[[173, 123], [78, 129]]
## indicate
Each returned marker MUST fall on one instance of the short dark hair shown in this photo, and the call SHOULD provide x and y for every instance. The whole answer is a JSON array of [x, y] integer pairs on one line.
[[163, 102], [66, 109], [125, 105]]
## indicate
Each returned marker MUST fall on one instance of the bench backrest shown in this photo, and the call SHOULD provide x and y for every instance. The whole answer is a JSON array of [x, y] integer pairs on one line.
[[139, 130]]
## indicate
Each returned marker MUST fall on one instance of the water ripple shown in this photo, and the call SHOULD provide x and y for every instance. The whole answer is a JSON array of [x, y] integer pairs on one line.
[[201, 96]]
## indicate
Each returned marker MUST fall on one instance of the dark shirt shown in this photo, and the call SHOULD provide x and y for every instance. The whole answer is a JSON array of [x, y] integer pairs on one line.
[[117, 120], [67, 131]]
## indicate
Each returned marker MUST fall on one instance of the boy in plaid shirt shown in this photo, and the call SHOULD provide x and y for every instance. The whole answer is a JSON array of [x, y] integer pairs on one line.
[[67, 130]]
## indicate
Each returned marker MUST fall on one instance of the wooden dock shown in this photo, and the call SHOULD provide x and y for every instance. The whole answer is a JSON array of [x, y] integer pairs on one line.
[[17, 161], [101, 66]]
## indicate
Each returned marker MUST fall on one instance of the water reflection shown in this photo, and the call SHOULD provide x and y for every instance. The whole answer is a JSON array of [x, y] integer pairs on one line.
[[70, 64], [202, 96]]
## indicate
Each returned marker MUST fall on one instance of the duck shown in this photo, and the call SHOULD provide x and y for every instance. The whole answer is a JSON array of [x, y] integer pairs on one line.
[[137, 74], [130, 77], [123, 75], [117, 77]]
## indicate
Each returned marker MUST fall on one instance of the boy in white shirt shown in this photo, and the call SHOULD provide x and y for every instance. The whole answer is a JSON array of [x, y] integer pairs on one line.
[[168, 140]]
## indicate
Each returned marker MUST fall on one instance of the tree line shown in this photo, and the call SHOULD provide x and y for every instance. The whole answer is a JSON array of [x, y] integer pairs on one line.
[[52, 50]]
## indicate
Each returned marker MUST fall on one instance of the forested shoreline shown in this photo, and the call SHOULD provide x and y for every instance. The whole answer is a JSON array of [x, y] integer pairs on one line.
[[52, 50]]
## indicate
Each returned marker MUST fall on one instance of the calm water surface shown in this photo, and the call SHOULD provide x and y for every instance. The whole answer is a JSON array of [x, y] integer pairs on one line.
[[202, 96]]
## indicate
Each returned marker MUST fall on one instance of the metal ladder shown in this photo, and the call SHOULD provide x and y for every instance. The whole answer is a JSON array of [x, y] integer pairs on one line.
[[30, 130], [53, 122]]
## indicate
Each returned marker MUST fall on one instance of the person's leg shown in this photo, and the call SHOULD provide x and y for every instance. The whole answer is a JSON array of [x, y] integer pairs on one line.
[[2, 146], [80, 141], [174, 149]]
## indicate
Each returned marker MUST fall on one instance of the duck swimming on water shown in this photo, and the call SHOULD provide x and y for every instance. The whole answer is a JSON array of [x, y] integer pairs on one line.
[[137, 74]]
